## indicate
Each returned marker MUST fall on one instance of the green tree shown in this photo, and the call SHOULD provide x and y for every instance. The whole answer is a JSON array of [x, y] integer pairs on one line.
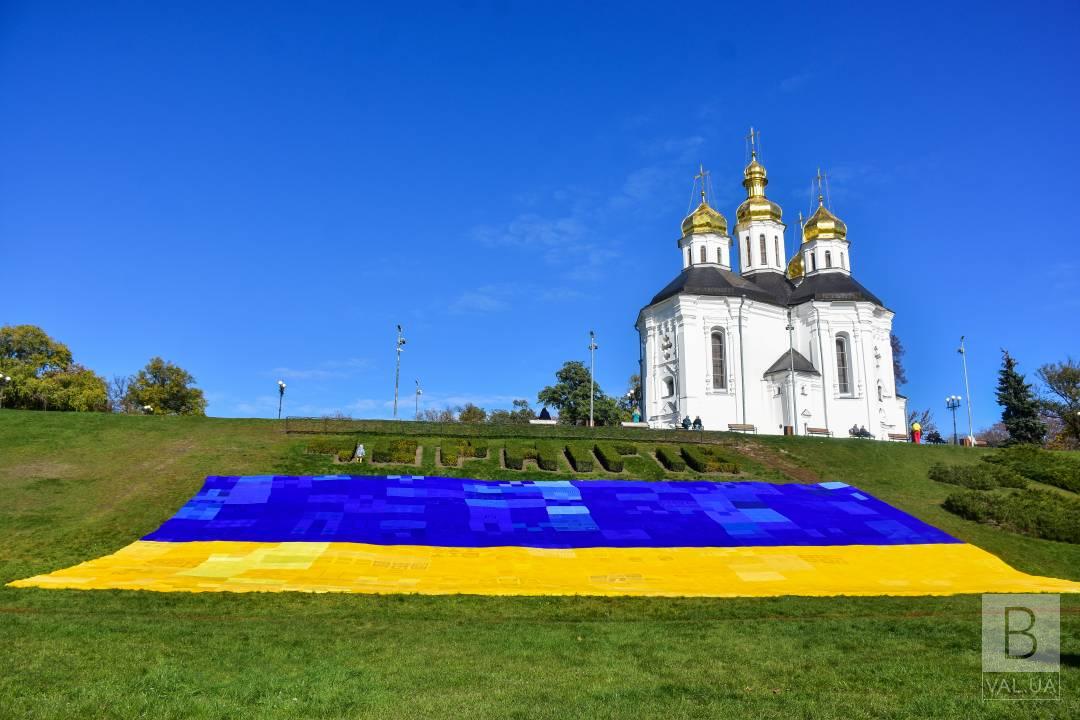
[[166, 388], [472, 414], [570, 396], [43, 375], [897, 365], [632, 398], [1061, 395], [521, 414], [77, 388], [1020, 409]]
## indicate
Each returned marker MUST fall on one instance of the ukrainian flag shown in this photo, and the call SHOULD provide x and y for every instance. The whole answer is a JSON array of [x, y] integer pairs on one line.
[[433, 535]]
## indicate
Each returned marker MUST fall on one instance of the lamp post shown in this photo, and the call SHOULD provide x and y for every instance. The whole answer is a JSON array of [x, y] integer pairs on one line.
[[419, 392], [791, 374], [967, 390], [4, 381], [397, 367], [953, 402], [281, 396], [148, 409], [592, 373]]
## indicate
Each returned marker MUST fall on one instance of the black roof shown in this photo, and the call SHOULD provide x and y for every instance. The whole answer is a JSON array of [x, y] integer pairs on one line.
[[784, 363], [831, 286], [713, 280], [769, 287]]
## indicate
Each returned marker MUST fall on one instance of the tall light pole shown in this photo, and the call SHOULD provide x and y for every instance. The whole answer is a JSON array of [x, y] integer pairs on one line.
[[967, 390], [280, 396], [592, 373], [5, 380], [952, 402], [791, 373], [397, 366], [419, 392]]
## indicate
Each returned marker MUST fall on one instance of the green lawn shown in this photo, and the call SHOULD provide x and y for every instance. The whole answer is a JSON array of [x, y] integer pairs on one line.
[[74, 487]]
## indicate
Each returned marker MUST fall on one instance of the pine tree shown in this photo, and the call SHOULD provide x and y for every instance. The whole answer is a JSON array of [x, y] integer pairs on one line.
[[1020, 413]]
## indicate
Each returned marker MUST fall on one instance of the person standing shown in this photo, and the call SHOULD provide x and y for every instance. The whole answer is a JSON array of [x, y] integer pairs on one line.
[[916, 432], [360, 453]]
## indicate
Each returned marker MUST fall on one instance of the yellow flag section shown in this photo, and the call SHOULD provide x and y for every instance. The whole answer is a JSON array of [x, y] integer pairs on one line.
[[215, 566]]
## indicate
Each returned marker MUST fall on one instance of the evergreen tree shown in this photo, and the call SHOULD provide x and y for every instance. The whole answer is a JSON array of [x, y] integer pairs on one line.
[[1020, 409]]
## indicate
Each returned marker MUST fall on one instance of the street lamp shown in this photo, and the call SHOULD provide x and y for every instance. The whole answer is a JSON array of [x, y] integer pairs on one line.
[[4, 381], [953, 402], [967, 390], [419, 392], [791, 374], [397, 367], [592, 373], [148, 409], [281, 396]]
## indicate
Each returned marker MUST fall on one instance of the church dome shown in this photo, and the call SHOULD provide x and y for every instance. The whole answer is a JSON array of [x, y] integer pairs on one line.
[[756, 206], [795, 267], [824, 225], [704, 220]]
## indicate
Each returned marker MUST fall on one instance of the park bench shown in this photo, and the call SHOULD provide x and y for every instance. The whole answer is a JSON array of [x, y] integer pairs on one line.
[[742, 427], [818, 431], [627, 423], [901, 437], [541, 422]]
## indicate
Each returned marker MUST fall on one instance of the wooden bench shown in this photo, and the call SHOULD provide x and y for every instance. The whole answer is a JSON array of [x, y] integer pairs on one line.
[[634, 424], [742, 427], [818, 431], [902, 437]]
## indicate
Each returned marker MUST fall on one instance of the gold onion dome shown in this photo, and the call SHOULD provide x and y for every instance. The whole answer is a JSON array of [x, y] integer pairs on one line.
[[795, 267], [704, 220], [756, 206], [823, 225]]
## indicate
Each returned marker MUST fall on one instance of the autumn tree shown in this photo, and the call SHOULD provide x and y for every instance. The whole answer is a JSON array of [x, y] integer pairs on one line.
[[166, 389]]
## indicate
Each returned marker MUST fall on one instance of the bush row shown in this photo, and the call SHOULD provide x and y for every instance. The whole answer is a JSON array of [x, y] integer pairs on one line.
[[329, 444], [547, 455], [450, 452], [609, 456], [625, 448], [976, 477], [399, 452], [580, 457], [1040, 465], [1038, 513], [517, 453], [708, 459], [670, 458]]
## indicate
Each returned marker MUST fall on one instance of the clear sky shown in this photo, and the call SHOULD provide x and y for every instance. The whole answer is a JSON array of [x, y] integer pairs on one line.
[[263, 190]]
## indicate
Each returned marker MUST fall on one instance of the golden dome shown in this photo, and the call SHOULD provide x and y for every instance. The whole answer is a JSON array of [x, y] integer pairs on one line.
[[824, 225], [795, 267], [704, 220], [756, 206]]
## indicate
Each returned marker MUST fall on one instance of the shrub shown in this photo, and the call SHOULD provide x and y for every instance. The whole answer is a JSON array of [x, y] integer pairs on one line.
[[580, 457], [346, 454], [609, 457], [329, 445], [625, 448], [1038, 513], [547, 455], [448, 455], [976, 477], [474, 449], [669, 457], [1040, 465], [515, 455], [398, 452], [708, 459]]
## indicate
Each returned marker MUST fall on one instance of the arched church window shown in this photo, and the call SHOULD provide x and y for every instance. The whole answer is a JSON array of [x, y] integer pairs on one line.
[[704, 257], [689, 256], [776, 247], [880, 393], [719, 256], [669, 387], [843, 260], [764, 252], [719, 360], [749, 262], [813, 260], [828, 259], [843, 364]]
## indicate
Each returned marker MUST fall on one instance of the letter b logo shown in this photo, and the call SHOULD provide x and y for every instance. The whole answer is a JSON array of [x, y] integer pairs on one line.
[[1020, 633]]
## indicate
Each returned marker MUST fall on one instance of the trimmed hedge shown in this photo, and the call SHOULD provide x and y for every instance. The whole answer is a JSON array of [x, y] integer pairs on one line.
[[517, 453], [329, 445], [976, 477], [609, 457], [1038, 513], [474, 449], [448, 455], [398, 452], [346, 454], [580, 457], [547, 455], [706, 459], [670, 458], [625, 448], [1040, 465]]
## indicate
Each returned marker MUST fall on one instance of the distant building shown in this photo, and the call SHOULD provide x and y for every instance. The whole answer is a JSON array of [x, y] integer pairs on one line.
[[715, 343]]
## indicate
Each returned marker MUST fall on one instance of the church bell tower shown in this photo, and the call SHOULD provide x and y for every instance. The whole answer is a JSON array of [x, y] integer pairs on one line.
[[759, 230]]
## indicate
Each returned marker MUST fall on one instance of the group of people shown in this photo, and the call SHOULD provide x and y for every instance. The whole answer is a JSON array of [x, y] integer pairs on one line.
[[695, 425]]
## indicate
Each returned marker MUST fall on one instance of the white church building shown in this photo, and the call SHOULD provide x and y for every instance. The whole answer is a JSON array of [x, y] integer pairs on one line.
[[782, 345]]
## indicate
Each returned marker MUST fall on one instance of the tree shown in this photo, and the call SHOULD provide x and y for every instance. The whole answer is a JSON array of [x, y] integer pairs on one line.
[[43, 375], [570, 396], [472, 414], [117, 392], [166, 388], [1061, 396], [77, 389], [897, 366], [924, 418], [521, 414], [632, 398], [444, 415], [934, 438], [1020, 409], [994, 436]]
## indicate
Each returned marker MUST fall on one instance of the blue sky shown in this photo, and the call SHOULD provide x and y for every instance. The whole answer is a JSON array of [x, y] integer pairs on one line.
[[262, 191]]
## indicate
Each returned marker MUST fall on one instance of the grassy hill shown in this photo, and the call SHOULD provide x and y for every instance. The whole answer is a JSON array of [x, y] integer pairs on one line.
[[78, 486]]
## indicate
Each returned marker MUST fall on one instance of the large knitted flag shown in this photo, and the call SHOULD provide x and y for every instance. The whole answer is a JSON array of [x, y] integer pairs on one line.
[[434, 535]]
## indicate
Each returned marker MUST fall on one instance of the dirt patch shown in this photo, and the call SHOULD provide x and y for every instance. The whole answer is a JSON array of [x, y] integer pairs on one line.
[[776, 461]]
